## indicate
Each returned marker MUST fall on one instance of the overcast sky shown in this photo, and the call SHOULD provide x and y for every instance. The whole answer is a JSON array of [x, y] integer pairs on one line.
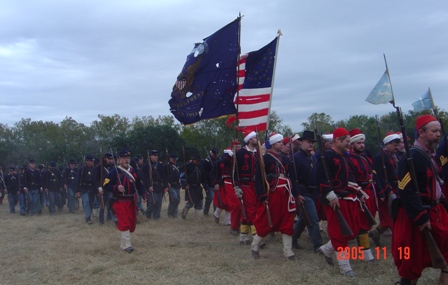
[[82, 58]]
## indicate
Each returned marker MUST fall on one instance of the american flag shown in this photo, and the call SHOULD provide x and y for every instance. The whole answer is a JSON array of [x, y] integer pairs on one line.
[[255, 79]]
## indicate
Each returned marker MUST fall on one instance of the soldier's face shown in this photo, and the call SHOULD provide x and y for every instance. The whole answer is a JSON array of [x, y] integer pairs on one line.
[[341, 144], [359, 146], [307, 145], [277, 147], [124, 161], [89, 163], [154, 157], [431, 134]]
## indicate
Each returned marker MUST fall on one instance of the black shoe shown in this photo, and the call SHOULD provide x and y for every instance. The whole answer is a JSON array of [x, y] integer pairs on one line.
[[129, 249], [262, 245], [329, 260], [375, 236], [292, 257], [255, 254], [233, 232], [216, 219], [89, 221], [296, 245]]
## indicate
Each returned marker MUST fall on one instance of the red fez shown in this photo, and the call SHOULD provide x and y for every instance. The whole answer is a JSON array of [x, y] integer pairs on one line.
[[423, 120], [340, 132], [285, 140], [234, 143]]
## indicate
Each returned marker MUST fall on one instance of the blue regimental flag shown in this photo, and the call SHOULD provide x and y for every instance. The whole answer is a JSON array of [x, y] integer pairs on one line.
[[382, 92], [423, 103], [206, 86]]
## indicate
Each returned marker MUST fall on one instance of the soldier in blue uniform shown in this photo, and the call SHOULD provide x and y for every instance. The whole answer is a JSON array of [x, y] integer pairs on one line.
[[172, 173], [86, 186], [52, 184], [31, 187], [100, 173], [195, 178], [209, 165], [153, 180], [69, 177], [12, 183]]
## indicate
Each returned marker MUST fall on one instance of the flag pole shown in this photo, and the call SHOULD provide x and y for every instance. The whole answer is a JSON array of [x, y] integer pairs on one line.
[[279, 33], [238, 75], [390, 81]]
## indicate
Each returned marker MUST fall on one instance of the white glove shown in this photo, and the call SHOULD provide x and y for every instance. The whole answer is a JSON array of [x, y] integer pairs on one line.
[[100, 190], [238, 192]]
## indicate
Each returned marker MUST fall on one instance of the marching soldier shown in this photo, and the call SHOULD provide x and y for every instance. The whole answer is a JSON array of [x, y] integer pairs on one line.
[[209, 165], [276, 206], [31, 187], [195, 178], [223, 183], [172, 173], [246, 161], [387, 183], [86, 187], [442, 156], [362, 166], [100, 173], [153, 180], [51, 182], [69, 177], [12, 183], [123, 182], [232, 199], [342, 194], [420, 208], [304, 173]]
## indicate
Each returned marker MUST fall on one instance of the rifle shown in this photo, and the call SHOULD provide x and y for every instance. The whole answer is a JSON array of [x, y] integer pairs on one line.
[[343, 225], [80, 181], [306, 218], [168, 174], [101, 195], [235, 169], [264, 182], [151, 184], [437, 259], [216, 174], [186, 176]]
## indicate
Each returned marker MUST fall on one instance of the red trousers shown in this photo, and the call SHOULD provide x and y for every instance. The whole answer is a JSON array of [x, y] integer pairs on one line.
[[282, 209], [126, 214], [371, 205], [409, 247], [234, 204], [250, 202], [223, 197], [350, 211]]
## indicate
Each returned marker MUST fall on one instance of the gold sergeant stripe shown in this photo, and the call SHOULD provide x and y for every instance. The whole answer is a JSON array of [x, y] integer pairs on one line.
[[403, 182], [443, 160], [106, 181]]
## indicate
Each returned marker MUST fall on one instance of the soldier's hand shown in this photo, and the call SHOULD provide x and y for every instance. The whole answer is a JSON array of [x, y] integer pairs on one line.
[[100, 190], [65, 187], [334, 203], [121, 188], [238, 191], [151, 189], [300, 200], [41, 189], [78, 195], [425, 225], [216, 187], [187, 187]]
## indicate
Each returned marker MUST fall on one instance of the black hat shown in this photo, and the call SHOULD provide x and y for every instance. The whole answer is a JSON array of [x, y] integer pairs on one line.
[[108, 155], [309, 135], [89, 157], [72, 161], [196, 156], [32, 161], [52, 164], [125, 152], [154, 152], [139, 156], [41, 166], [173, 155], [12, 168], [215, 150]]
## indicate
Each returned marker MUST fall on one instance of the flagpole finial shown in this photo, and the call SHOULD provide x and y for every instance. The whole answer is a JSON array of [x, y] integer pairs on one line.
[[279, 32]]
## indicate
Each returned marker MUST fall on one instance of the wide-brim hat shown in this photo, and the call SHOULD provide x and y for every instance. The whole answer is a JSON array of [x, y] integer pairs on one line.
[[309, 135]]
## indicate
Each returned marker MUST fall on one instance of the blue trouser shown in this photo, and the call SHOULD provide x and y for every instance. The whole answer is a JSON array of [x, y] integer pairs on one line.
[[110, 212], [22, 203], [209, 193], [52, 202], [313, 229], [35, 202], [71, 199], [13, 198], [174, 202], [44, 199], [139, 203], [154, 204], [86, 205]]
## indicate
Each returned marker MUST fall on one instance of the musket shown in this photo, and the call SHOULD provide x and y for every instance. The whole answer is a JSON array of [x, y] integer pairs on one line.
[[235, 170], [168, 174], [151, 184], [264, 182], [100, 196], [306, 218], [80, 180], [116, 169], [437, 259], [218, 193], [343, 225], [186, 176]]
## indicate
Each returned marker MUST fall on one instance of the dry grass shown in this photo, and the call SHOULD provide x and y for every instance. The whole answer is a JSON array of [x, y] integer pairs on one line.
[[63, 249]]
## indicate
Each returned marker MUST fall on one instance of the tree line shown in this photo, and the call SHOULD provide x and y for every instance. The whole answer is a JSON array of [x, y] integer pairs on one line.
[[48, 141]]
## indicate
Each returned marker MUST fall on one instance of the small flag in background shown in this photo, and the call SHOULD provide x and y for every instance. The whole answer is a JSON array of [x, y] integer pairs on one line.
[[382, 92], [255, 81], [423, 103]]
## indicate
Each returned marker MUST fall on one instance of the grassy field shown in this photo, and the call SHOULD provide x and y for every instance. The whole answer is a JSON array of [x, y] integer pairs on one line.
[[63, 249]]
